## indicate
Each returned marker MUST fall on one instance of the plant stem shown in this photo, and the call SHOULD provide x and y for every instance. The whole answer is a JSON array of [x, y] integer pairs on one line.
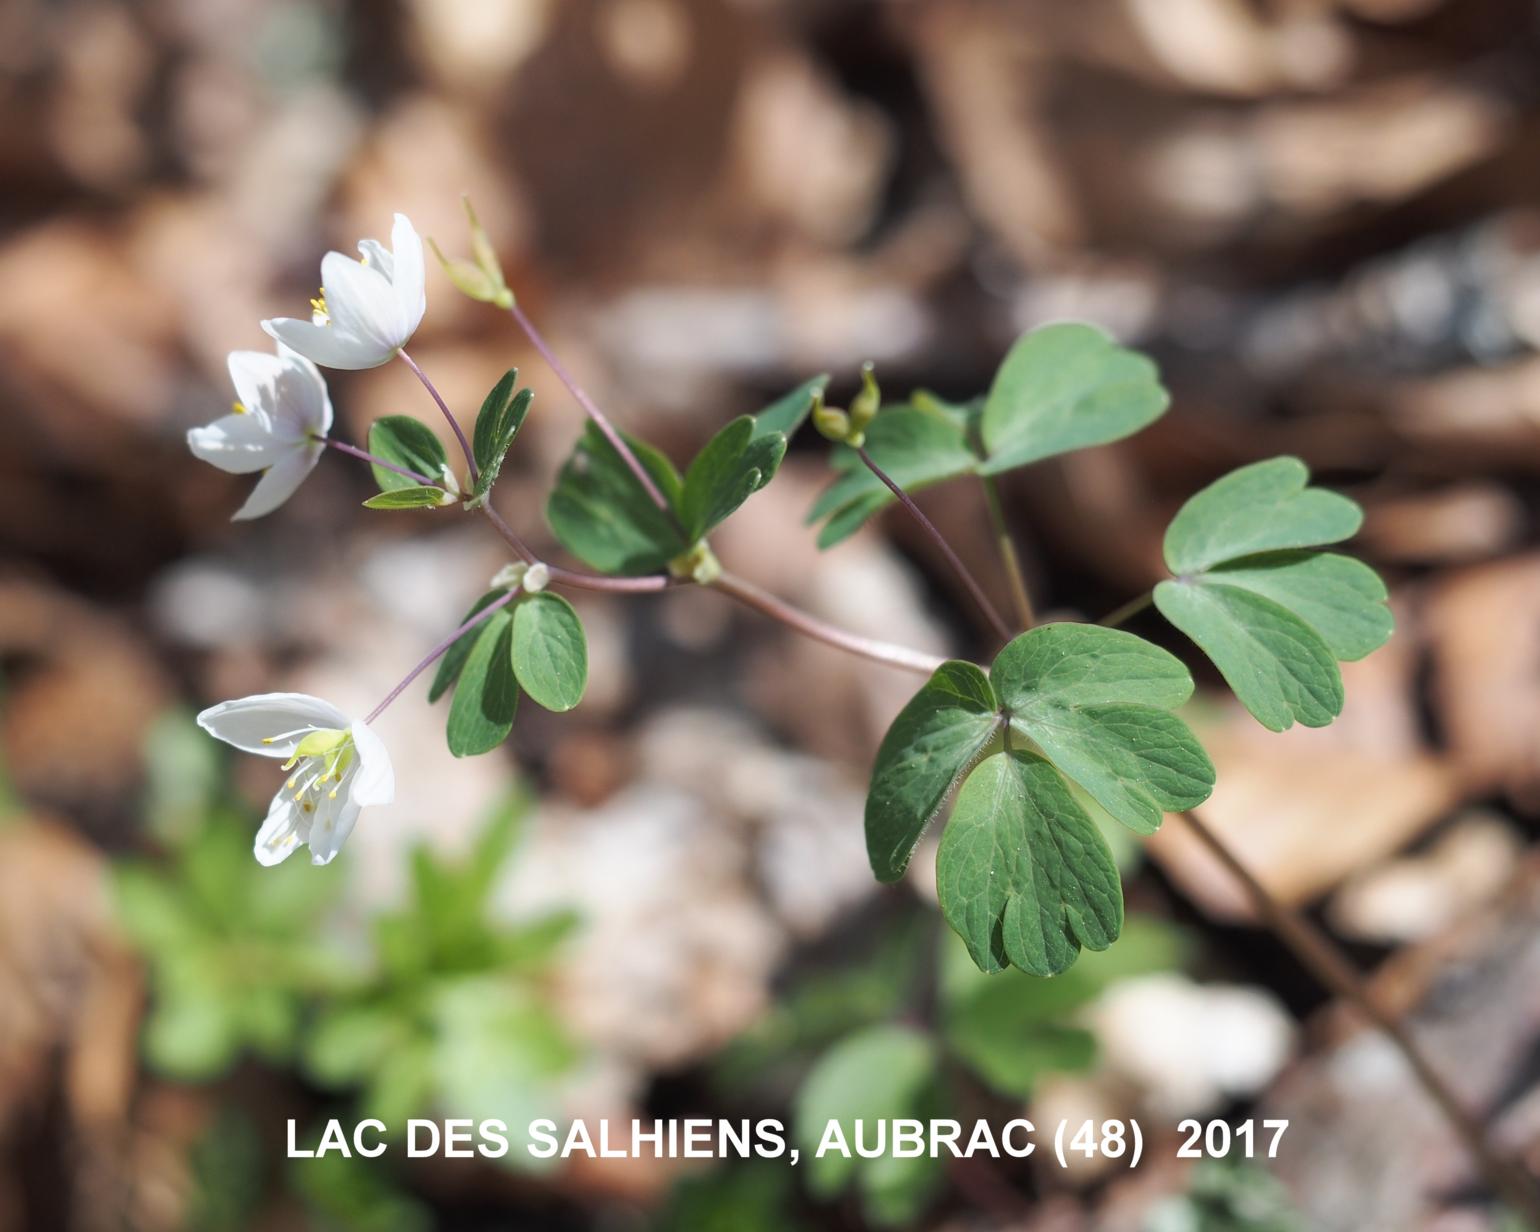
[[1008, 554], [1130, 609], [831, 635], [575, 577], [353, 451], [960, 569], [432, 655], [465, 445], [591, 409], [1329, 965]]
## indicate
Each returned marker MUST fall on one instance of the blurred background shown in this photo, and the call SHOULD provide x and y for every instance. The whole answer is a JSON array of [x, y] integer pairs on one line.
[[1321, 216]]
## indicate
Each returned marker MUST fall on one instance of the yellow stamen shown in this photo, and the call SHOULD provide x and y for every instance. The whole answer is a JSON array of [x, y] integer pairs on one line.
[[240, 409], [318, 304]]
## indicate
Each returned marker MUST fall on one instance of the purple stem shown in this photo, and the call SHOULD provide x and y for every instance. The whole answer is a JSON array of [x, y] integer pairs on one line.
[[465, 445], [575, 577], [353, 451], [438, 650], [960, 569], [591, 410]]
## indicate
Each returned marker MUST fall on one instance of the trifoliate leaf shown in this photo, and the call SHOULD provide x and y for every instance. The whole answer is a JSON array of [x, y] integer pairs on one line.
[[1096, 701], [497, 423], [407, 442], [731, 467], [917, 448], [459, 650], [486, 695], [874, 1076], [1273, 618], [550, 655], [932, 743], [605, 517], [1278, 666], [1264, 507], [1065, 387], [1023, 875], [786, 414], [409, 498]]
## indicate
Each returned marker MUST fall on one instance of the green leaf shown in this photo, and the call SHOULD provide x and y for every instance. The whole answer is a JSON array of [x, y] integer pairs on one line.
[[409, 498], [1274, 619], [1342, 599], [917, 448], [481, 712], [1278, 666], [406, 442], [932, 743], [731, 467], [879, 1074], [1259, 508], [1064, 387], [497, 423], [786, 414], [1023, 875], [453, 660], [1096, 702], [603, 515], [550, 655]]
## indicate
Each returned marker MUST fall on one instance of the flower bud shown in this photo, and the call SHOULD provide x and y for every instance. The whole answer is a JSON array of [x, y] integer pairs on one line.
[[482, 278], [867, 403]]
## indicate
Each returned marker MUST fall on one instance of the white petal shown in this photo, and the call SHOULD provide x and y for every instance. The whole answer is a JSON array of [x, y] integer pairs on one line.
[[279, 482], [330, 825], [375, 780], [304, 409], [409, 279], [247, 721], [254, 374], [239, 444], [324, 345], [379, 257], [362, 303], [282, 833]]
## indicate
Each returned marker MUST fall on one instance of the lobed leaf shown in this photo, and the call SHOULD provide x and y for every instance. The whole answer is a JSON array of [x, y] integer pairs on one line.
[[1096, 701], [605, 517], [407, 442], [1023, 875], [932, 743], [731, 467], [486, 695], [787, 413], [1065, 387], [1263, 507], [1341, 599], [550, 654]]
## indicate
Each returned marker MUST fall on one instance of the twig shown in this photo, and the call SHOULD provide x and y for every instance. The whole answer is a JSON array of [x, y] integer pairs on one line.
[[1329, 965]]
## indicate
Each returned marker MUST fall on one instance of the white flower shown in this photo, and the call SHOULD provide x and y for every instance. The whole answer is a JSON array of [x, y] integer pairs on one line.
[[278, 426], [339, 766], [368, 308]]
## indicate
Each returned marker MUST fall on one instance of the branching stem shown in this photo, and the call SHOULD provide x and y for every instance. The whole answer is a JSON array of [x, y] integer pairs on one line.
[[454, 424], [591, 409], [969, 582]]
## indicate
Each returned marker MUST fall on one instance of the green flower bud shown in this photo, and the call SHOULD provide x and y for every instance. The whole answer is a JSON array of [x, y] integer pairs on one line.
[[868, 402]]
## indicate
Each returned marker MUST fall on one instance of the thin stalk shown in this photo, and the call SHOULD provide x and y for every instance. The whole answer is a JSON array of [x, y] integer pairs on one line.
[[432, 655], [1006, 545], [831, 635], [1329, 965], [353, 451], [960, 569], [1128, 611], [576, 577], [591, 409], [454, 424]]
